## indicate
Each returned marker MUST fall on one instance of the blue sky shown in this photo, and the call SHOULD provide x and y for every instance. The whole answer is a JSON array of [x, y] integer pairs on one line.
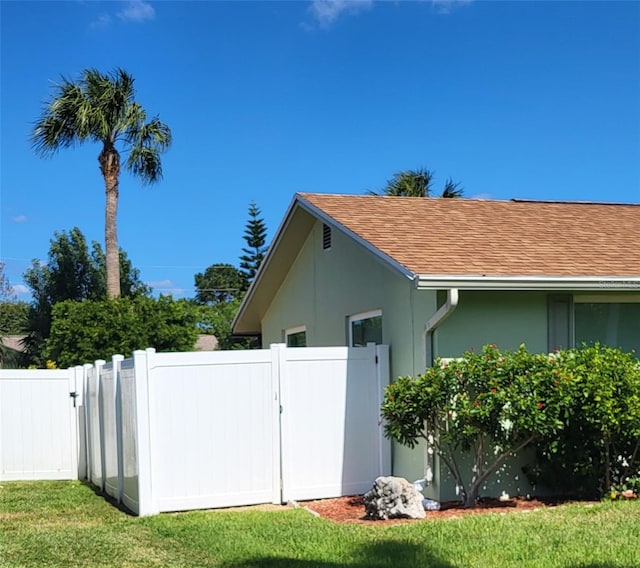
[[534, 100]]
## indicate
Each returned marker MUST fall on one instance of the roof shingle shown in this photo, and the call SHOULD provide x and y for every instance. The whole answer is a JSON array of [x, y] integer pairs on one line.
[[435, 236]]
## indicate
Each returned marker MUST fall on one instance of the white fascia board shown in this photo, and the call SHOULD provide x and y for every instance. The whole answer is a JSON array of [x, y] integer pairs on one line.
[[328, 220], [586, 283]]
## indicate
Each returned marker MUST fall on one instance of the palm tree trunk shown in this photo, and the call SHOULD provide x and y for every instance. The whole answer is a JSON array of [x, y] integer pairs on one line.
[[110, 167]]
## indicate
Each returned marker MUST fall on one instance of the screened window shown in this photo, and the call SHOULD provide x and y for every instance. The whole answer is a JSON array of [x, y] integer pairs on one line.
[[296, 337], [616, 324], [365, 328]]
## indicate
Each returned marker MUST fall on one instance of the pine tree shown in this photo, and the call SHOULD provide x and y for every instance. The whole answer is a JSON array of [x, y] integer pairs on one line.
[[255, 234]]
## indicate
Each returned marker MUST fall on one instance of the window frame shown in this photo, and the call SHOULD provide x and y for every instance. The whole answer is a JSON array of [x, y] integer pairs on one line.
[[370, 314], [290, 331], [570, 301]]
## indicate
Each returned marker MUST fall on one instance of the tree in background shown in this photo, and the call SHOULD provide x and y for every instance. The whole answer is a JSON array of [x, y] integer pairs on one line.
[[6, 290], [219, 283], [216, 320], [418, 183], [255, 235], [71, 273], [82, 332], [13, 320], [101, 108]]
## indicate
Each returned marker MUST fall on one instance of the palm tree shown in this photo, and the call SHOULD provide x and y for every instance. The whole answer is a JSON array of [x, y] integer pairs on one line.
[[418, 183], [101, 108]]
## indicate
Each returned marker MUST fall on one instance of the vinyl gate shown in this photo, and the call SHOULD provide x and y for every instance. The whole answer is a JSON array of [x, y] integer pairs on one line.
[[179, 431], [38, 425]]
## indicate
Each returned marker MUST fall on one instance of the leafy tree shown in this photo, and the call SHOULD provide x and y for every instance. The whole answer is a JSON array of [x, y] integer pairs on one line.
[[216, 320], [219, 283], [71, 273], [13, 317], [255, 235], [6, 290], [82, 332], [418, 183], [101, 108], [492, 404]]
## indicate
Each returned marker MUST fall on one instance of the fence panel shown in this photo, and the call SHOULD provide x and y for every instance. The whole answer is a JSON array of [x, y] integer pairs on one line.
[[94, 425], [211, 429], [38, 425], [109, 430], [330, 422], [129, 434]]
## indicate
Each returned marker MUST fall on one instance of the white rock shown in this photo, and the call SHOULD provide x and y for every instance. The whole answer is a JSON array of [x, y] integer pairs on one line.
[[394, 498]]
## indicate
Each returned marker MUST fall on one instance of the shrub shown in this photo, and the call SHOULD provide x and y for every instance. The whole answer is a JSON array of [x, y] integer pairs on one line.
[[82, 332], [492, 403], [599, 449]]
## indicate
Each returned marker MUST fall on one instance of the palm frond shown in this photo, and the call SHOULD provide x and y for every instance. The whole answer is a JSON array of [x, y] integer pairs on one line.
[[410, 183], [452, 189]]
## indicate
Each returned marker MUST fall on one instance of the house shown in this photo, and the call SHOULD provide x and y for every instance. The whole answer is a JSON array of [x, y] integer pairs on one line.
[[437, 277]]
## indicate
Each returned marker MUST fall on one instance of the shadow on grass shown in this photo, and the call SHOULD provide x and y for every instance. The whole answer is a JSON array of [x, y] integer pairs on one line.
[[382, 554], [104, 495]]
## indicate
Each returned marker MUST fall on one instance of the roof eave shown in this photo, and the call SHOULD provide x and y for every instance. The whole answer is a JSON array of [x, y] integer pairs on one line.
[[577, 283]]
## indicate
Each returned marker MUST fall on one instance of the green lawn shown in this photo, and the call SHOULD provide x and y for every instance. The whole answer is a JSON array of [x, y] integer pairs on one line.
[[66, 524]]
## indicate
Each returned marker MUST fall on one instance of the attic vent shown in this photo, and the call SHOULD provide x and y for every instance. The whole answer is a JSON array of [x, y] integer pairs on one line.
[[326, 237]]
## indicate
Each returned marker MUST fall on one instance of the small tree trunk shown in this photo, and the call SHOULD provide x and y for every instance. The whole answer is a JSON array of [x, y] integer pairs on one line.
[[110, 167]]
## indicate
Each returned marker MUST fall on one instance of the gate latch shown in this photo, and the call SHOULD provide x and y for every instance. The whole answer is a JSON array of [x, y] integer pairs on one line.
[[74, 395]]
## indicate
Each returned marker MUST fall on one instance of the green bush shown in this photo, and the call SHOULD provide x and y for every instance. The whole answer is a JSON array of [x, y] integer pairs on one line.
[[493, 403], [599, 449], [82, 332], [581, 407]]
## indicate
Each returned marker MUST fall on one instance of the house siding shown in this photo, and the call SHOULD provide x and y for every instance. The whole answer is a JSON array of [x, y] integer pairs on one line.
[[507, 319], [318, 294]]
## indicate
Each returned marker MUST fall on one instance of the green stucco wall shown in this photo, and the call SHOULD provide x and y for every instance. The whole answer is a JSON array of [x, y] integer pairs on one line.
[[505, 318], [324, 287]]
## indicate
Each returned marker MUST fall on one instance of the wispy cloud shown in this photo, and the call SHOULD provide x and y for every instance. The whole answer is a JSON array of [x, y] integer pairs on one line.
[[447, 6], [481, 196], [325, 12], [21, 290], [19, 219], [166, 287], [103, 21], [137, 11]]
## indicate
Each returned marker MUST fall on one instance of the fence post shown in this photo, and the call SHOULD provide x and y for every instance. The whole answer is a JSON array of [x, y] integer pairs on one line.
[[88, 428], [117, 360], [278, 352], [100, 396], [384, 444], [81, 424], [142, 364]]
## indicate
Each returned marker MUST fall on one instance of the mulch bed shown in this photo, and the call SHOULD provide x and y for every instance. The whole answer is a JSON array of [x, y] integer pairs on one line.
[[351, 509]]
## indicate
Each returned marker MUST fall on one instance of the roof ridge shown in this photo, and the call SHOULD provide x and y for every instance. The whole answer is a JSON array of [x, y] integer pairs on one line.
[[473, 199]]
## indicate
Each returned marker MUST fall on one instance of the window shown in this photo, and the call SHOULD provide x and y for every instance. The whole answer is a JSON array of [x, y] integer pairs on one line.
[[365, 328], [612, 321], [296, 336], [616, 324]]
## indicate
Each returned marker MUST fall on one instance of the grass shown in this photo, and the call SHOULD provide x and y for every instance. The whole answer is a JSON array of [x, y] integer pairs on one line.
[[65, 524]]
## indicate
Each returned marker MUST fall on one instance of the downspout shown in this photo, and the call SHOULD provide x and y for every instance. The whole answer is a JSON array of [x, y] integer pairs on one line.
[[435, 320], [432, 323]]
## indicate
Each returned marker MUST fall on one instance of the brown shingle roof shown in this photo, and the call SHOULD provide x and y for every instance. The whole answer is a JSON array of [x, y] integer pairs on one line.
[[493, 238]]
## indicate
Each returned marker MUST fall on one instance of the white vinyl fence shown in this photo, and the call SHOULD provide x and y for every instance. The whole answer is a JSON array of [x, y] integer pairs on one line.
[[178, 431]]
